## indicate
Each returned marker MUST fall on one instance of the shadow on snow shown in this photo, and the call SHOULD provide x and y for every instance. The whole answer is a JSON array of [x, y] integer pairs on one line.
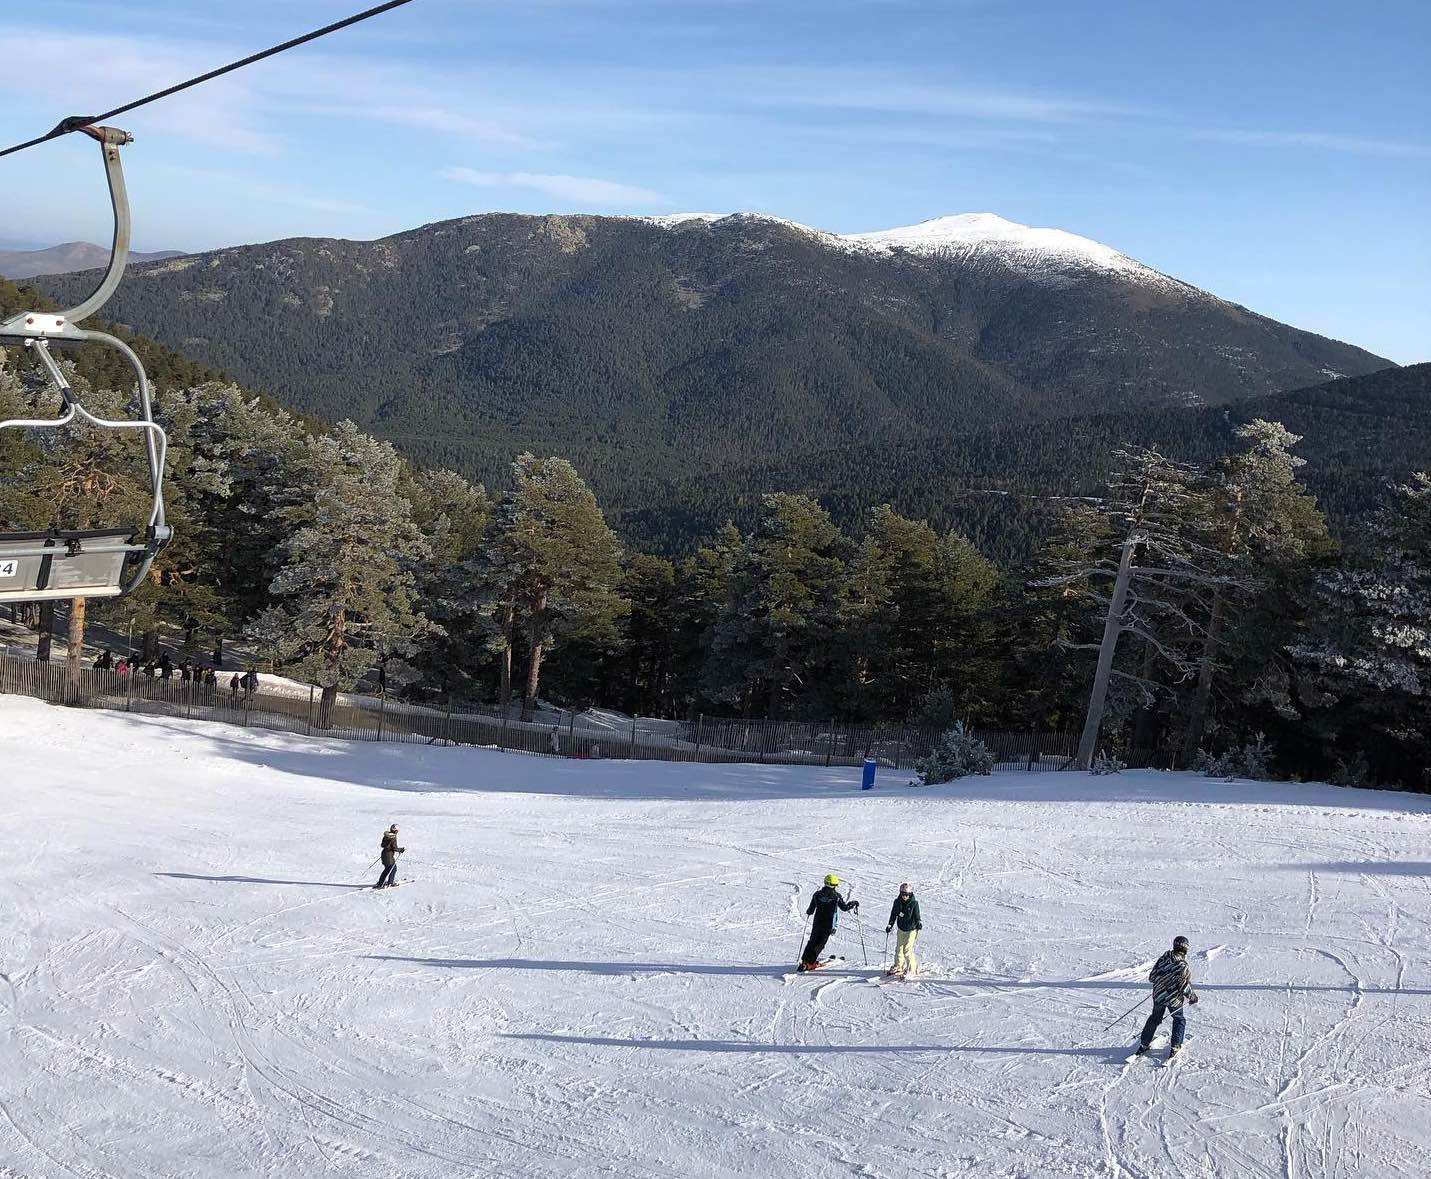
[[950, 986], [1108, 1053], [255, 880]]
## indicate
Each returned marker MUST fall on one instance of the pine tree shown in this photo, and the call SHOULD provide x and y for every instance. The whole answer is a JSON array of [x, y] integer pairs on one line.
[[453, 515], [1264, 524], [775, 636], [345, 596], [1365, 651], [1160, 515], [704, 587], [550, 569]]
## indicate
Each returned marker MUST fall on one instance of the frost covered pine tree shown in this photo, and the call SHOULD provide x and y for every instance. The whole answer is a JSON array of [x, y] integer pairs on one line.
[[957, 754], [1365, 650], [345, 595]]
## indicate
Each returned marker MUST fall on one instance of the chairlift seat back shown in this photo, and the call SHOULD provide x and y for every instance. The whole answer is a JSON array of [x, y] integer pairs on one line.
[[37, 566]]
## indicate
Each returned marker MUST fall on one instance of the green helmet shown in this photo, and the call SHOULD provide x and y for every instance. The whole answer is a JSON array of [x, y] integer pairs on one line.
[[832, 880]]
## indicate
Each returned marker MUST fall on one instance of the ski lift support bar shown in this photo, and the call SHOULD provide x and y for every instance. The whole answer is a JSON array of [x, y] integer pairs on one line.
[[76, 564], [93, 562]]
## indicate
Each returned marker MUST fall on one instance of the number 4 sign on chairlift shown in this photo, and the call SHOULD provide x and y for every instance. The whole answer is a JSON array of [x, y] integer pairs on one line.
[[10, 568]]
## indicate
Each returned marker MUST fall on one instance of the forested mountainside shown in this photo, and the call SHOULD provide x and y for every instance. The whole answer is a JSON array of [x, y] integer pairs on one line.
[[1000, 486], [332, 557], [646, 349]]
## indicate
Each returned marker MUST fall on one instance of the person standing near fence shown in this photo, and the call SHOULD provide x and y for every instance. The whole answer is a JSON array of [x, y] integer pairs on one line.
[[389, 854], [234, 686], [904, 913]]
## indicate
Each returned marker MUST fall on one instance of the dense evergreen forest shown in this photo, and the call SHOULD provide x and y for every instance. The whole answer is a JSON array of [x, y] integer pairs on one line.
[[1242, 620], [644, 353], [1001, 487]]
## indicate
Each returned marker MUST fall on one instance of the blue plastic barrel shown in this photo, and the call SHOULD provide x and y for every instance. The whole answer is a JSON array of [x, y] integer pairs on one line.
[[868, 781]]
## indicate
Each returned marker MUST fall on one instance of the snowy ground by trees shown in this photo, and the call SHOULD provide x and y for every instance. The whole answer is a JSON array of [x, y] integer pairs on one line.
[[590, 973]]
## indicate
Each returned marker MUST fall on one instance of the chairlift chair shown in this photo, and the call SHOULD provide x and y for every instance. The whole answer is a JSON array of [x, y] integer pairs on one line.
[[87, 563]]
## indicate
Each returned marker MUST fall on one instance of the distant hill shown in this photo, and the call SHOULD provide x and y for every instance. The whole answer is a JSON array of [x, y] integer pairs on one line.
[[62, 259], [649, 349], [997, 485]]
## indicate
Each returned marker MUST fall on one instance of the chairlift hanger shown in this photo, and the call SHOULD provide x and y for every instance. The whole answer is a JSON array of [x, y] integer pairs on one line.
[[91, 564], [65, 563]]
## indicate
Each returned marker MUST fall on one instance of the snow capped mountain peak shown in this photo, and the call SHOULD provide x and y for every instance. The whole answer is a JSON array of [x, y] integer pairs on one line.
[[989, 235], [1052, 256]]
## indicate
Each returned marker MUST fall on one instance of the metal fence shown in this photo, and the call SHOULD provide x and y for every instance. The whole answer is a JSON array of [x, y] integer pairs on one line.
[[377, 718]]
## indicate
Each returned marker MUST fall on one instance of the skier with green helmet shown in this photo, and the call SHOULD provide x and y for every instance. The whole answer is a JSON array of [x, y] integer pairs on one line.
[[825, 907]]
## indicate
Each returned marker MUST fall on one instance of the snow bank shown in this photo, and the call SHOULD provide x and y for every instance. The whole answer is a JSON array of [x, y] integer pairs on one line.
[[589, 973]]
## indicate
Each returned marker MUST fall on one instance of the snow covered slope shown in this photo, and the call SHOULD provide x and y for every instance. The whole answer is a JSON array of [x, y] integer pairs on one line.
[[589, 973], [1050, 254], [987, 235]]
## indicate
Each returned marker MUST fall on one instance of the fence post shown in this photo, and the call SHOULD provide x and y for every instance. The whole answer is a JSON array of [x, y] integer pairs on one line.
[[189, 703], [700, 723], [311, 690], [382, 707], [899, 749], [502, 740], [129, 690], [571, 733], [830, 744], [450, 741], [633, 736]]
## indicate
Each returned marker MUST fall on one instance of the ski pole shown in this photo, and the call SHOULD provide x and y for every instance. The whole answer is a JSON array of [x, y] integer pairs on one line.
[[1130, 1011], [884, 960], [800, 949], [860, 925]]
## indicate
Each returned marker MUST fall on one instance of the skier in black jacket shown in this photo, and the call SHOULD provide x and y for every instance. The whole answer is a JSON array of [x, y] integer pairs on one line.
[[825, 906]]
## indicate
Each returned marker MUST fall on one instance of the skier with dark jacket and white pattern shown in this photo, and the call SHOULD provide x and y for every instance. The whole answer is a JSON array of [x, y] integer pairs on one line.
[[1172, 986]]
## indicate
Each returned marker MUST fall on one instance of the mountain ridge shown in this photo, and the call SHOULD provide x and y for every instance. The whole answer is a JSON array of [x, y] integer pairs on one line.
[[67, 257], [641, 349]]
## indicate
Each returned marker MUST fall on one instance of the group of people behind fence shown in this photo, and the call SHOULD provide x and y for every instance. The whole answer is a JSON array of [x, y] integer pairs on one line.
[[187, 671]]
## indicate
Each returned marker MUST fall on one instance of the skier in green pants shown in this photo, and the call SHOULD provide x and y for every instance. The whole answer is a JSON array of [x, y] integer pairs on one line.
[[904, 913]]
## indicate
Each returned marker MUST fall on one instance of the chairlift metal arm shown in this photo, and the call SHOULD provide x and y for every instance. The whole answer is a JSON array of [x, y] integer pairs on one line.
[[29, 325], [36, 329]]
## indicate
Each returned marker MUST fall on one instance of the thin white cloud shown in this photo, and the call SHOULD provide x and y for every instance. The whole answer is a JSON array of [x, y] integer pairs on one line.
[[573, 189], [1325, 141]]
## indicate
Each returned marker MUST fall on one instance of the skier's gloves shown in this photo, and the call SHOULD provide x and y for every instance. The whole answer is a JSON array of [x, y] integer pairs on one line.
[[888, 927], [854, 906], [402, 849], [1193, 998]]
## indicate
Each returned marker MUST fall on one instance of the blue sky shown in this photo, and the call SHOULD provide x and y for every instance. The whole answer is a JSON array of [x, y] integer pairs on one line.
[[1277, 153]]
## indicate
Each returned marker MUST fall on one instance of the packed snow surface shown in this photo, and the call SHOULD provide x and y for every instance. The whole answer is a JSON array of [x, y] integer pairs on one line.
[[590, 971]]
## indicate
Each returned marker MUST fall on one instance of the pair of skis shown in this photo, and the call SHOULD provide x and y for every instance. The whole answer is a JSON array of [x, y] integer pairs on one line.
[[1167, 1062]]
